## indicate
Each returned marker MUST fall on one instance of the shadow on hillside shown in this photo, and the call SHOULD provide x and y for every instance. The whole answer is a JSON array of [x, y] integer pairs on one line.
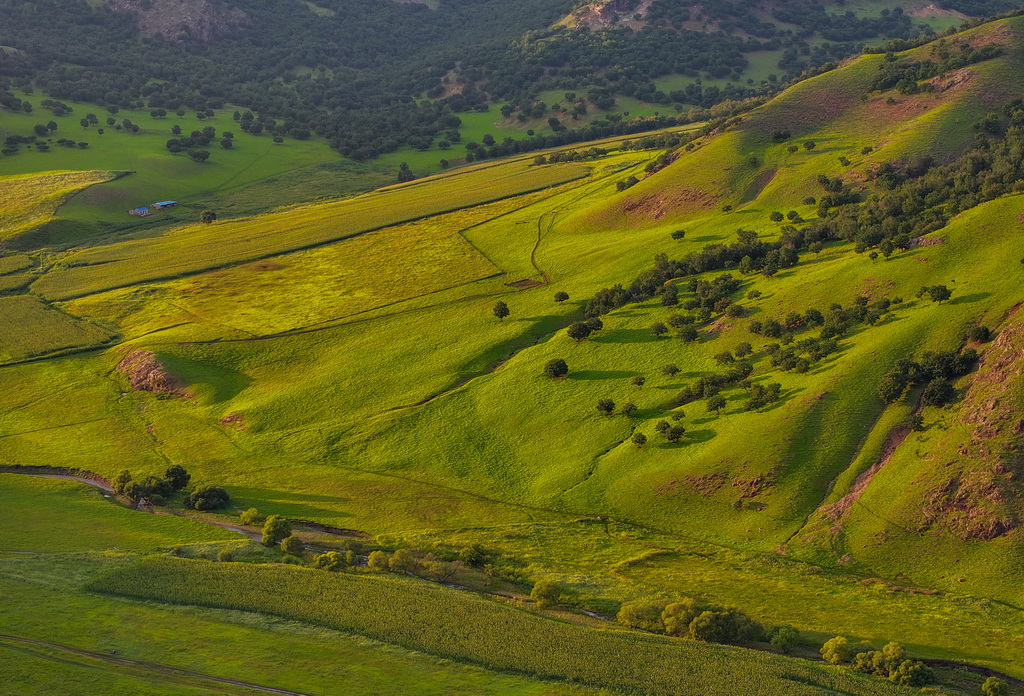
[[968, 299], [292, 505], [601, 374], [626, 336]]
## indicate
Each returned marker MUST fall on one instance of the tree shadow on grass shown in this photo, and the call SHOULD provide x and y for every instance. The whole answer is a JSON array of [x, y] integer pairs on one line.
[[968, 299], [601, 374], [293, 505], [626, 336]]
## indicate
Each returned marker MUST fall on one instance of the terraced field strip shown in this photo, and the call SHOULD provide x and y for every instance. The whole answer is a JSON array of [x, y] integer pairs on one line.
[[31, 328], [454, 625], [200, 247]]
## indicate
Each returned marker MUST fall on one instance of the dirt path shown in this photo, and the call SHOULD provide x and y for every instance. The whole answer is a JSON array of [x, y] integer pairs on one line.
[[166, 670]]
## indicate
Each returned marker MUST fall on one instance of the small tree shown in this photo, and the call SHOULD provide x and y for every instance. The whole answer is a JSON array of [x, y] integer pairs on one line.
[[994, 686], [275, 530], [939, 392], [836, 650], [716, 404], [561, 296], [251, 516], [743, 350], [639, 439], [638, 381], [207, 216], [785, 638], [980, 334], [606, 406], [675, 433], [628, 409], [207, 498], [809, 145], [677, 616], [546, 593], [293, 545], [659, 329], [776, 216], [689, 334], [377, 561], [938, 293], [199, 155], [332, 560], [670, 369], [556, 368], [177, 477], [500, 310], [578, 331], [725, 357], [402, 561]]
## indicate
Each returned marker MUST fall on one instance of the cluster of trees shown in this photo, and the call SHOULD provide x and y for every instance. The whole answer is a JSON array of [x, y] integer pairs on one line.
[[920, 196], [688, 618], [936, 370], [891, 662], [945, 56], [158, 489]]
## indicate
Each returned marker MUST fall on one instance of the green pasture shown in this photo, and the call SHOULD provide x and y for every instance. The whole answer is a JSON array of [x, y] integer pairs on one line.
[[56, 515], [156, 174], [43, 601]]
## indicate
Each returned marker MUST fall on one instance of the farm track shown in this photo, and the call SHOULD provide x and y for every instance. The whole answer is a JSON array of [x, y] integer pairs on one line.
[[176, 674]]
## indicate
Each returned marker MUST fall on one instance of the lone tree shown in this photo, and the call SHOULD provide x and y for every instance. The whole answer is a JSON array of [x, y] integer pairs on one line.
[[994, 686], [251, 516], [561, 296], [678, 234], [606, 406], [659, 329], [716, 404], [670, 369], [199, 155], [628, 409], [275, 530], [639, 439], [500, 310], [207, 216], [638, 381], [177, 477], [938, 293], [836, 650], [546, 593], [556, 368]]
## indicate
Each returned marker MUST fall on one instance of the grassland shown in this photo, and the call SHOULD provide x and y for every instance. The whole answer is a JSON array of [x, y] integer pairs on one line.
[[427, 420], [31, 200], [156, 173], [476, 630], [43, 601], [57, 515], [29, 328]]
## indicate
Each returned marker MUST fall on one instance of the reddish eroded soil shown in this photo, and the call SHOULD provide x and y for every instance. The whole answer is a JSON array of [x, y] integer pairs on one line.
[[146, 373], [656, 206]]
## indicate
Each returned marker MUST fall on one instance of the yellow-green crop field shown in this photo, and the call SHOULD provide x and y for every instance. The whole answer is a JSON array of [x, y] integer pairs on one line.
[[29, 327], [470, 629], [202, 247], [30, 200]]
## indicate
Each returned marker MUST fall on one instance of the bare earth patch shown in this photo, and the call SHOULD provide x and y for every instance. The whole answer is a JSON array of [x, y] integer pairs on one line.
[[146, 373]]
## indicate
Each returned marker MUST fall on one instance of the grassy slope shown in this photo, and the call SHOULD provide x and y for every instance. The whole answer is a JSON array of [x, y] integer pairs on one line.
[[513, 436]]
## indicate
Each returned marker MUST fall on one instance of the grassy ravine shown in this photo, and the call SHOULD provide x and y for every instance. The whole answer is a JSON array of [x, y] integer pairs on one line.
[[446, 623]]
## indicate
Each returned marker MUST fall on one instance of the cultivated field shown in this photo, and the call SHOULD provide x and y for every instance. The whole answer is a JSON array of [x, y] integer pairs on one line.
[[29, 328]]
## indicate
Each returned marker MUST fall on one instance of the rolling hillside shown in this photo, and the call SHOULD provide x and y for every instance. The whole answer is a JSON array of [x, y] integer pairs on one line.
[[798, 393]]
